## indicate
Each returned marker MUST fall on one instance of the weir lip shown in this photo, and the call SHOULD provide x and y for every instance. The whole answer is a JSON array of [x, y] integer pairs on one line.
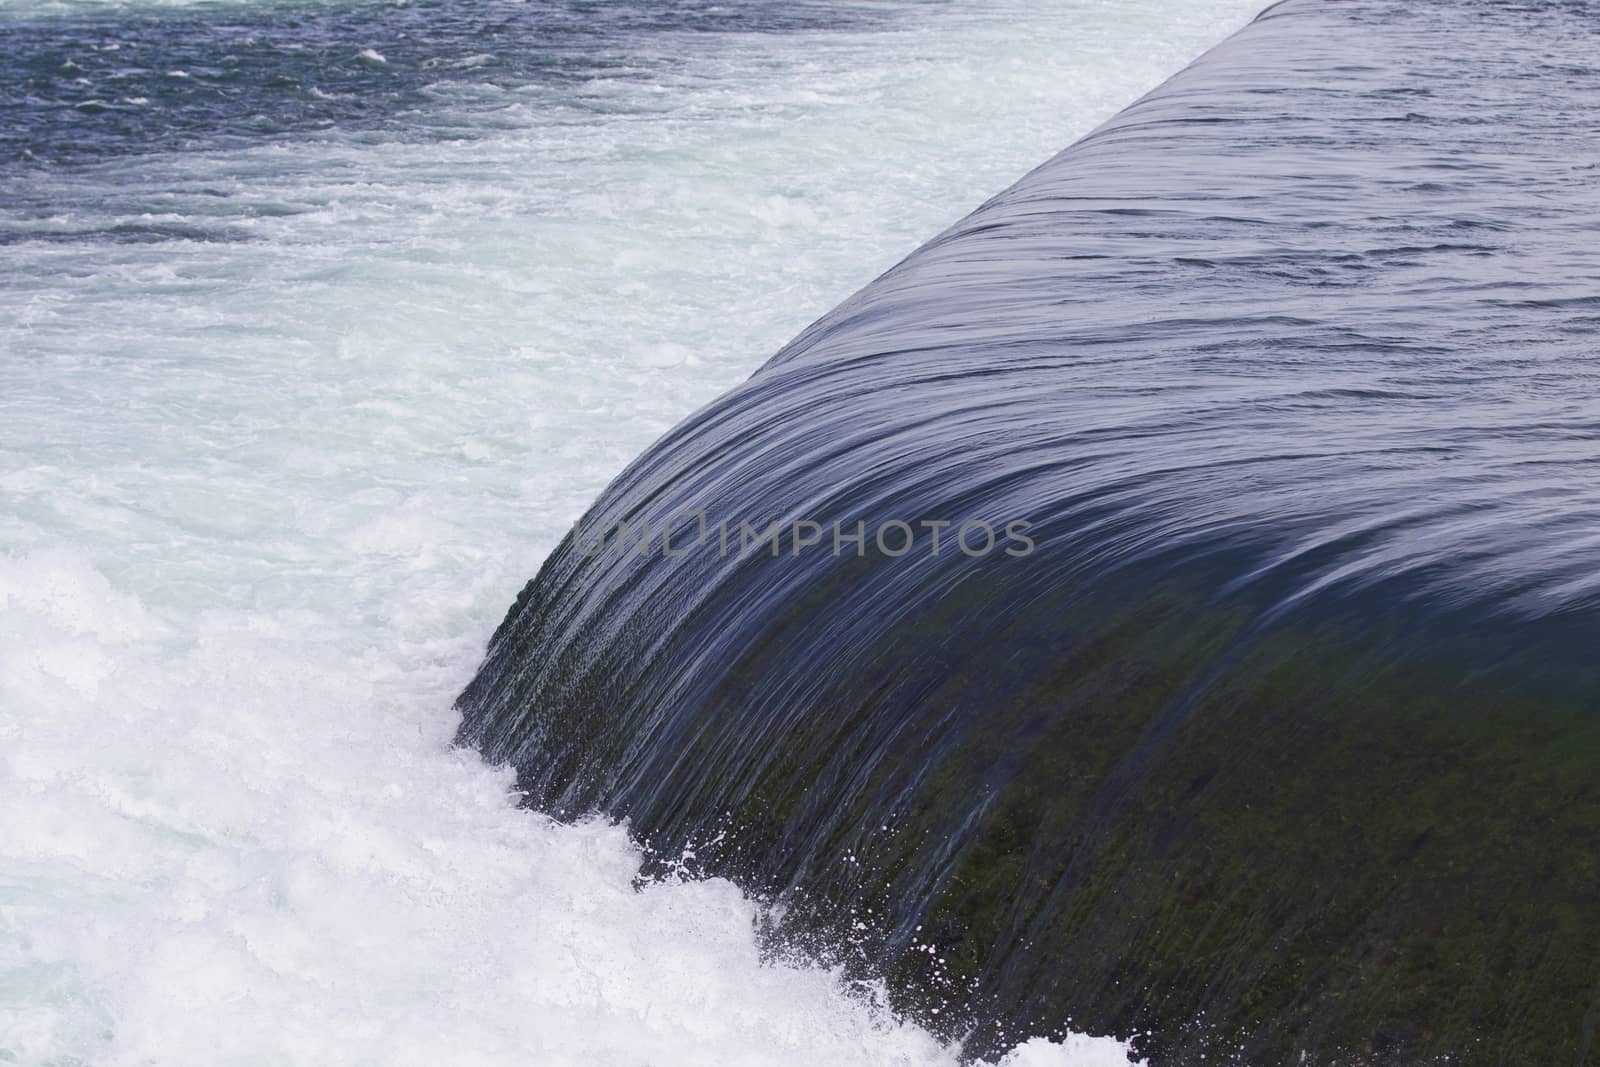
[[1286, 739]]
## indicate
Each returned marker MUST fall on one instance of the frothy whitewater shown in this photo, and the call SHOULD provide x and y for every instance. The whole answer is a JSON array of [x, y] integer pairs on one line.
[[289, 411]]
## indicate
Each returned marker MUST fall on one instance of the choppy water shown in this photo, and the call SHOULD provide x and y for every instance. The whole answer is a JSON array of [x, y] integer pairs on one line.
[[318, 325]]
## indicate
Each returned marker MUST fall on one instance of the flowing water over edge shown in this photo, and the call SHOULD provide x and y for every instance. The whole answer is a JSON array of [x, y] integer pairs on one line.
[[304, 364]]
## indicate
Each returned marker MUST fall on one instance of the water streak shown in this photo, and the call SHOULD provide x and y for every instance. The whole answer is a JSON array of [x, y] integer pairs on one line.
[[1284, 741]]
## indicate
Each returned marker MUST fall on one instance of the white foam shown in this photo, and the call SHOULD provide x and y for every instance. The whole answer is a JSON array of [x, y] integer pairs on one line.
[[265, 498]]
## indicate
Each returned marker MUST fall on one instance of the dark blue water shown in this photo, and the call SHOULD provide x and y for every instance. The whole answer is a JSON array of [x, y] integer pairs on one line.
[[80, 87], [1284, 738]]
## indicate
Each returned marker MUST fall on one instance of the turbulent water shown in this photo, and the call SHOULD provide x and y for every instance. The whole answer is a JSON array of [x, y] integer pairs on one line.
[[319, 324]]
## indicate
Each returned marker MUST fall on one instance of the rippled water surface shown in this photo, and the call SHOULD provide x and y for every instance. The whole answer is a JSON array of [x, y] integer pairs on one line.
[[97, 82]]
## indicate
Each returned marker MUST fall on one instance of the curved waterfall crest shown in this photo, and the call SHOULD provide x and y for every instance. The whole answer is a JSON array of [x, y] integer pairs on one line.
[[1166, 601]]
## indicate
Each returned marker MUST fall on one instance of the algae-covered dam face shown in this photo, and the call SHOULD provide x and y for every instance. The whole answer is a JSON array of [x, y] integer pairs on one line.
[[1267, 727]]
